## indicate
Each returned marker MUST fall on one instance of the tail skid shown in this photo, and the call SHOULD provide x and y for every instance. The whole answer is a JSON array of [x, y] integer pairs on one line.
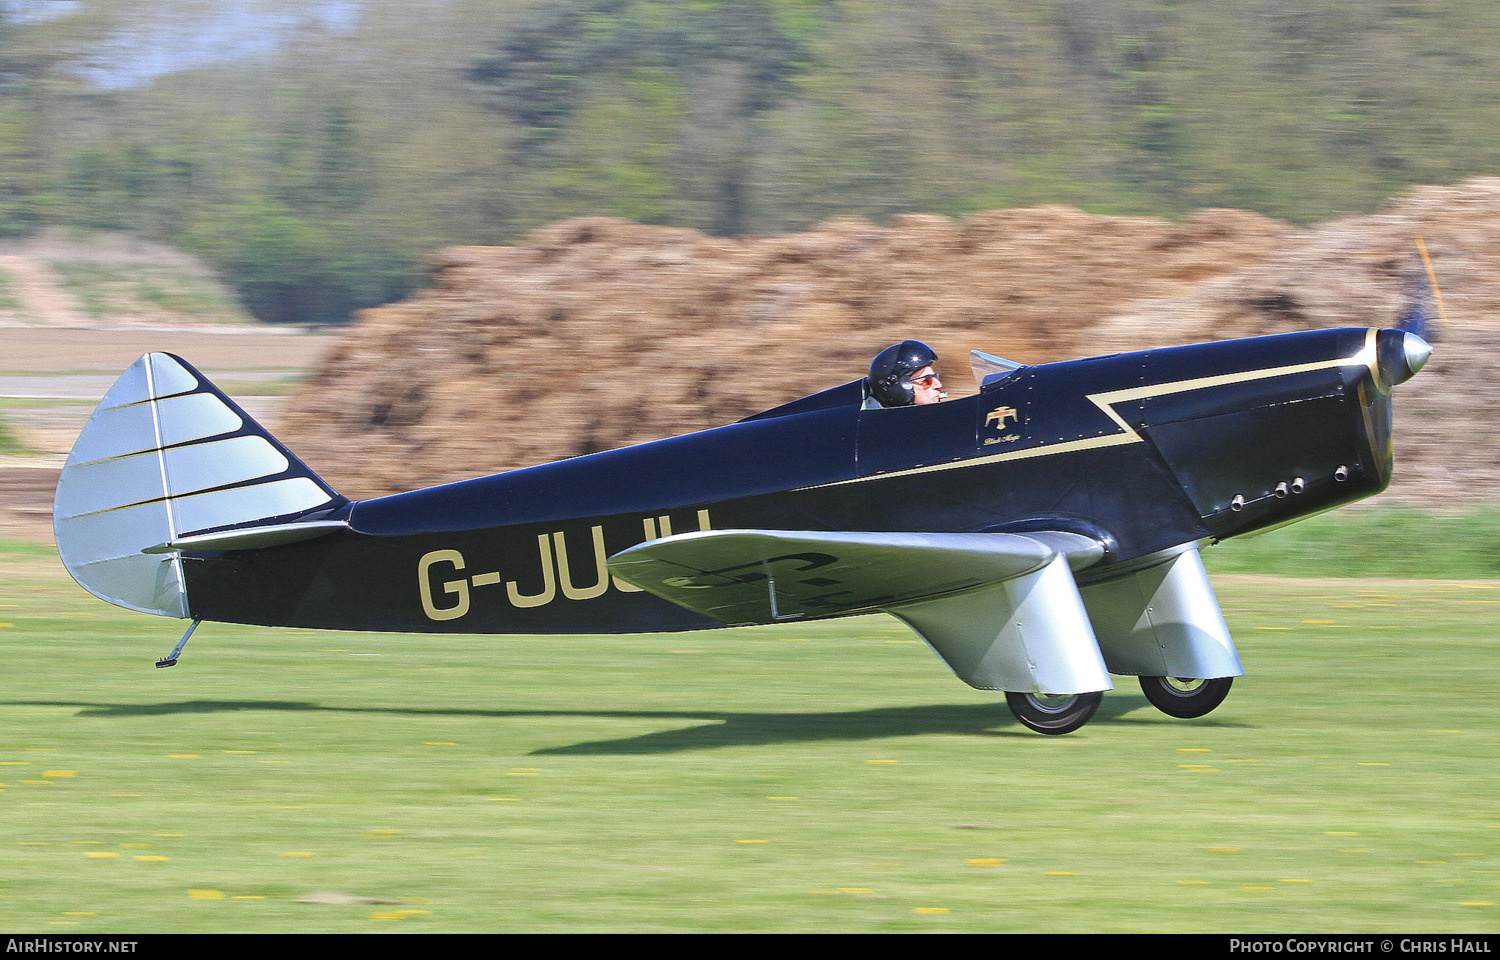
[[168, 462]]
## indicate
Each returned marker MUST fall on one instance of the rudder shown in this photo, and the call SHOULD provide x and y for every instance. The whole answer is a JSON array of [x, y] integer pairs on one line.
[[164, 455]]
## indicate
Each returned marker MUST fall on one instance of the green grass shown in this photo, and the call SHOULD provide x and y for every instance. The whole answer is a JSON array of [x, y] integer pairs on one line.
[[26, 548], [281, 386], [1384, 540], [9, 301], [10, 443], [828, 777], [105, 289]]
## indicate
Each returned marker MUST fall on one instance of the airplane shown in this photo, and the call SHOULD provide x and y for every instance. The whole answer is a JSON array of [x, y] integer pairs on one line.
[[1041, 534]]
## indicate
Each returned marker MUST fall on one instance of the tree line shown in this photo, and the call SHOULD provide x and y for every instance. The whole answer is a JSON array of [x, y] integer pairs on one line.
[[317, 173]]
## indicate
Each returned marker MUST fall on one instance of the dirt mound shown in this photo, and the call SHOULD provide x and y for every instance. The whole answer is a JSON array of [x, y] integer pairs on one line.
[[109, 281], [595, 333]]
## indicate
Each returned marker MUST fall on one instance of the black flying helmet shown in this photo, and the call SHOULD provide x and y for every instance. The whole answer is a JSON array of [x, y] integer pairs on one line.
[[892, 369]]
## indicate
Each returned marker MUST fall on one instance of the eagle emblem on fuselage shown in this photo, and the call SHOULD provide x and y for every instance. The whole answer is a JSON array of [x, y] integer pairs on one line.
[[999, 415]]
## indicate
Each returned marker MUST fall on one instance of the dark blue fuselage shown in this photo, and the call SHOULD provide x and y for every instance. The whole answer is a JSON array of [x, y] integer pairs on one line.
[[1143, 450]]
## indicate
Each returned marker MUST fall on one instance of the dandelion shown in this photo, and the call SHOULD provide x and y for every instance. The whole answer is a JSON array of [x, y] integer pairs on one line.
[[397, 914]]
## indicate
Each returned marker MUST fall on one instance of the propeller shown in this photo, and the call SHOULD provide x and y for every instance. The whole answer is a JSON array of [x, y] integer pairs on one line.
[[1404, 350], [1416, 317]]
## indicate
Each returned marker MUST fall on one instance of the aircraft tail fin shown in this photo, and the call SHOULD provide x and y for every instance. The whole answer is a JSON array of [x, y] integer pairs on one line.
[[167, 458]]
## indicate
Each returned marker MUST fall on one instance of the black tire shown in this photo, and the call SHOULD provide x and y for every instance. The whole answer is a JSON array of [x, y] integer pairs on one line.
[[1053, 715], [1185, 699]]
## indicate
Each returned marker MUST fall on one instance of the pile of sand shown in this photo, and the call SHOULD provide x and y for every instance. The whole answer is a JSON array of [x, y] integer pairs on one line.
[[596, 333]]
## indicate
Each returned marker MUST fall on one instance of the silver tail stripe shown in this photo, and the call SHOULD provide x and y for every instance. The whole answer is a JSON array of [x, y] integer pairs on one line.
[[123, 431], [107, 484], [165, 378], [126, 531]]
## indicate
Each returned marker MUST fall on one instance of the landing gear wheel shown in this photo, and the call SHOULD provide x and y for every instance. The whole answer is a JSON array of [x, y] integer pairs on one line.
[[1052, 713], [1185, 699]]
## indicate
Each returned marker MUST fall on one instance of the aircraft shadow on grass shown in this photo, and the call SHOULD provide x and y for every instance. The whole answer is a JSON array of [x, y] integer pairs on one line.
[[717, 728]]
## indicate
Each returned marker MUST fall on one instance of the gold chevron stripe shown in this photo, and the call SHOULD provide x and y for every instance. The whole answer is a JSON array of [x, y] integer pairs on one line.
[[1105, 401]]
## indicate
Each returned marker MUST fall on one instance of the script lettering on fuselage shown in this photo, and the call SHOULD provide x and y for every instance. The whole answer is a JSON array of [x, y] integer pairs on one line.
[[446, 597]]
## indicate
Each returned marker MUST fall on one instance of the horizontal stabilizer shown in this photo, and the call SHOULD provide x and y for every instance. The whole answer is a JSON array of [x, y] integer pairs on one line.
[[767, 576], [166, 455], [253, 538]]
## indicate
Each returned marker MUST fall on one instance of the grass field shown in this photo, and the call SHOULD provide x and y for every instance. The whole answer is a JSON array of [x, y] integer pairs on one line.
[[1372, 540], [830, 777]]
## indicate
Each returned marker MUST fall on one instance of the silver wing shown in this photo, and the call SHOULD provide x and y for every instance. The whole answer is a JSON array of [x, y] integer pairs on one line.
[[1002, 609]]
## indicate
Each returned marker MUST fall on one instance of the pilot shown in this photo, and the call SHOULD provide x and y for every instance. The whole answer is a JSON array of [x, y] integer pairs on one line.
[[902, 375]]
